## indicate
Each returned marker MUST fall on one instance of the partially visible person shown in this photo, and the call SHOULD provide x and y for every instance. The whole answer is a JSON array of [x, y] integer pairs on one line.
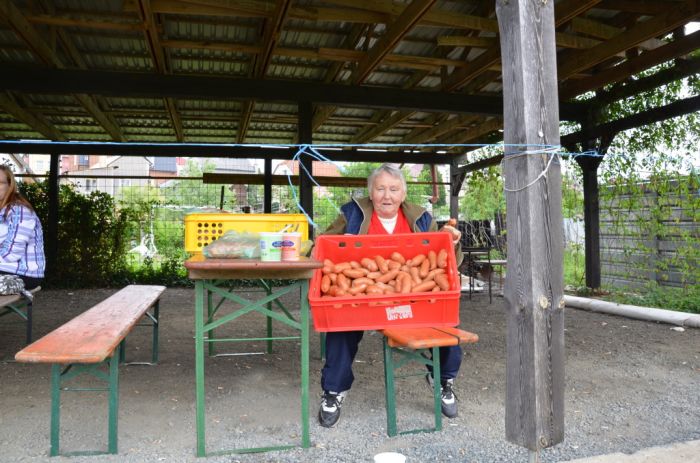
[[383, 212], [21, 236]]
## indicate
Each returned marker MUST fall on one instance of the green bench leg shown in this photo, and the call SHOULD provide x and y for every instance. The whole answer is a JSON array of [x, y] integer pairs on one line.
[[29, 322], [156, 322], [57, 376], [437, 388], [390, 388], [55, 407], [113, 404]]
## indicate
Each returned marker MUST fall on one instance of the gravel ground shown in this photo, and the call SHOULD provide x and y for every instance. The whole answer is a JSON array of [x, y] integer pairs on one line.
[[629, 385]]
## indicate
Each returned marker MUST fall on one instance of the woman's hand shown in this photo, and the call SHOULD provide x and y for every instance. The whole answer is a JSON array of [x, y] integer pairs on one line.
[[449, 227]]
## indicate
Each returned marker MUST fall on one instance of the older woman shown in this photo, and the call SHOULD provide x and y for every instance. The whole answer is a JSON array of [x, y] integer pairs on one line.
[[21, 237], [383, 212]]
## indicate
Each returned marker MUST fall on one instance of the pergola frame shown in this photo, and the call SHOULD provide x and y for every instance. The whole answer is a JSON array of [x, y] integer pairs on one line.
[[465, 109]]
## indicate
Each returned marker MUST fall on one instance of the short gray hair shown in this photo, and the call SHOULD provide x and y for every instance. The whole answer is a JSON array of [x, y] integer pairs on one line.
[[387, 169]]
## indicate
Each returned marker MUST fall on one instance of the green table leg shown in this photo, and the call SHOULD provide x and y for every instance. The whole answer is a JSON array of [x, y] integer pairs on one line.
[[269, 320], [304, 304], [210, 318], [389, 390], [199, 365]]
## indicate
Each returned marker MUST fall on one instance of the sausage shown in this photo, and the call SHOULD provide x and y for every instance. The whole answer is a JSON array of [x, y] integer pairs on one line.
[[374, 275], [333, 277], [374, 289], [358, 289], [418, 260], [325, 283], [393, 265], [369, 264], [343, 282], [326, 270], [415, 276], [382, 264], [328, 263], [441, 259], [442, 281], [424, 268], [406, 284], [353, 273], [432, 257], [355, 264], [423, 287], [333, 291], [362, 280], [387, 277], [398, 257], [431, 274], [342, 266]]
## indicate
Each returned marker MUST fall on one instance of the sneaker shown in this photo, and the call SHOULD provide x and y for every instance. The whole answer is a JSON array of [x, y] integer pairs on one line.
[[447, 396], [329, 412]]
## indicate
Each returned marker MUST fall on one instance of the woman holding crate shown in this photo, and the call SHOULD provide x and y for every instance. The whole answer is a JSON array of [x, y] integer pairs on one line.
[[383, 212]]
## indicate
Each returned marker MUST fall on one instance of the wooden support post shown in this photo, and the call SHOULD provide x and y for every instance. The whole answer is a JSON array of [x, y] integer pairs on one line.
[[456, 180], [51, 238], [306, 191], [591, 218], [534, 286], [267, 187]]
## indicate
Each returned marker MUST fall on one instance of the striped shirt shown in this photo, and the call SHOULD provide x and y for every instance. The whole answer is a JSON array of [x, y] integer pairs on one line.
[[21, 242]]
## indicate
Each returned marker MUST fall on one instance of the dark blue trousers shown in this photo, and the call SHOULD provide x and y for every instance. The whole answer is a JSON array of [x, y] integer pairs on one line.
[[341, 348]]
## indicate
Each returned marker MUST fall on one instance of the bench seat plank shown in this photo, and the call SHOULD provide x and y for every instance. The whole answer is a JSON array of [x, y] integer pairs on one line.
[[425, 338], [92, 336]]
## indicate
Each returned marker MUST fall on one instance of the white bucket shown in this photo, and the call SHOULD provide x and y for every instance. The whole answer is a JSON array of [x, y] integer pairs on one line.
[[270, 246], [389, 457], [292, 244]]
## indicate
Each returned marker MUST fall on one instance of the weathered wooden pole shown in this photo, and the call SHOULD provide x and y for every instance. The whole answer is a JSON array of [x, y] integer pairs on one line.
[[534, 286]]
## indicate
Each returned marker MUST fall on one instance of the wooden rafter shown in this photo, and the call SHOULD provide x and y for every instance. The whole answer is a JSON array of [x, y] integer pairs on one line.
[[270, 36], [160, 62], [658, 25], [40, 48], [632, 66], [34, 121]]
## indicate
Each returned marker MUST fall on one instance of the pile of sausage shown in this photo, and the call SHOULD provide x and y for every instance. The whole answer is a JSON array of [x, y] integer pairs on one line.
[[395, 275]]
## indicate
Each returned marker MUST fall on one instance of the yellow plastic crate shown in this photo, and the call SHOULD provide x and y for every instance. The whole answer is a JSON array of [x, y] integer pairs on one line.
[[202, 229]]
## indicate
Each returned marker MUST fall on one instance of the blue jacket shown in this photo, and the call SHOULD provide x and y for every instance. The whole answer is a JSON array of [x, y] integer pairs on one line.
[[356, 216]]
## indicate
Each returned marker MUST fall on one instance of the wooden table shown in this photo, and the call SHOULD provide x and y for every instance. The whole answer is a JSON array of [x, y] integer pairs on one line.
[[209, 276]]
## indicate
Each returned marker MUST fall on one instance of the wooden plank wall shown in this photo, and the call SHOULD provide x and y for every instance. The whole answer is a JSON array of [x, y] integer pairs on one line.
[[631, 251]]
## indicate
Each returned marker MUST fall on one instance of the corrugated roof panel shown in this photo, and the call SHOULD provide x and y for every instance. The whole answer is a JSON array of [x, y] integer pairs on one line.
[[130, 103], [285, 71]]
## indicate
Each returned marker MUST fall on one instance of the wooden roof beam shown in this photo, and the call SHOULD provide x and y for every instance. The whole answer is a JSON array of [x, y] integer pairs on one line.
[[160, 62], [645, 7], [658, 25], [271, 34], [34, 121], [672, 50], [45, 52], [403, 24]]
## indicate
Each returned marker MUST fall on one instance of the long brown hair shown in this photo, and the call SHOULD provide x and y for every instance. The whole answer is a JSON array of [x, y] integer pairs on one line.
[[13, 195]]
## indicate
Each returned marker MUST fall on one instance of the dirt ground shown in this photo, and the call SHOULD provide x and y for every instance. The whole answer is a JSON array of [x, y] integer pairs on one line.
[[629, 385]]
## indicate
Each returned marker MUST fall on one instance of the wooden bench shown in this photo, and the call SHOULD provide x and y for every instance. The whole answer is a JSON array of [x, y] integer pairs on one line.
[[21, 306], [419, 345], [90, 341]]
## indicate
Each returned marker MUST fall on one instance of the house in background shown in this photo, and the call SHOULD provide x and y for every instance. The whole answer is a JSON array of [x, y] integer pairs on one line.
[[108, 174]]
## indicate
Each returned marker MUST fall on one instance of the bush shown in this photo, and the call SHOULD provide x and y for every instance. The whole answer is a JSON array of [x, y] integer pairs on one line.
[[91, 249]]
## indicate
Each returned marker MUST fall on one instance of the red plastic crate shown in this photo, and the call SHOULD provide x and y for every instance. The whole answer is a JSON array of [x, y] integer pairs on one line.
[[374, 312]]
